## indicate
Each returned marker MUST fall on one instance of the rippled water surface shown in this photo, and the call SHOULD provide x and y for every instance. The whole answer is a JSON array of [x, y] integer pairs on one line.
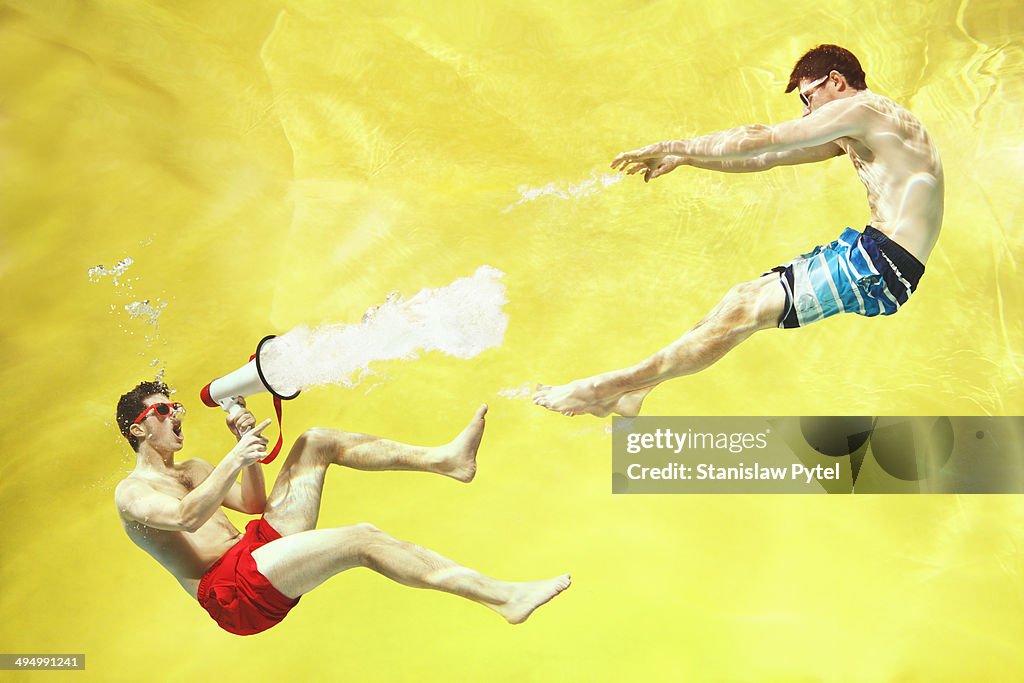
[[240, 169]]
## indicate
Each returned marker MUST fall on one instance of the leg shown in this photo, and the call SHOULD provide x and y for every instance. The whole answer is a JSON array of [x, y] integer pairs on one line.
[[747, 308], [294, 502], [299, 563]]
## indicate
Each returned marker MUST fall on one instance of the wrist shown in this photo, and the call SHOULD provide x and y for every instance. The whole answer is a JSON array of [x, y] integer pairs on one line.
[[236, 461], [677, 147]]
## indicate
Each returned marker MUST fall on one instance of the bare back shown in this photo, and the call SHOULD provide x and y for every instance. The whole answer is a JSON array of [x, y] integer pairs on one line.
[[187, 556], [900, 167]]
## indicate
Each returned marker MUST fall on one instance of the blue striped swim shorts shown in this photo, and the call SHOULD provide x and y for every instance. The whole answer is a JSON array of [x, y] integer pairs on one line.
[[865, 273]]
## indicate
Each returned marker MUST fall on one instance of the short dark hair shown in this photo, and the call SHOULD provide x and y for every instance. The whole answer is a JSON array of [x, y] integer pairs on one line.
[[820, 61], [133, 403]]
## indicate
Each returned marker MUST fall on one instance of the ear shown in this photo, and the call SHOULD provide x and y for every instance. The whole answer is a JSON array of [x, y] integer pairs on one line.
[[137, 431], [839, 79]]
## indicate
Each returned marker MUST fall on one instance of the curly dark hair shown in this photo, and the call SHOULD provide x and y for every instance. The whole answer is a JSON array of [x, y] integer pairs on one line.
[[823, 59], [133, 403]]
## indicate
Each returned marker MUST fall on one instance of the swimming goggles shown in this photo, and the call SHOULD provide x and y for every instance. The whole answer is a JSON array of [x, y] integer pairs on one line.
[[162, 410]]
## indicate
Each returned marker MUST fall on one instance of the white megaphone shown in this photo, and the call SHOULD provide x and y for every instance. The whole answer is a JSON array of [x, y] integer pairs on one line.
[[245, 381]]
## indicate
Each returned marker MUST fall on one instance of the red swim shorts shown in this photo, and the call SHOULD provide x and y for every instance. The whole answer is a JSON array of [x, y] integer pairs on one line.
[[236, 595]]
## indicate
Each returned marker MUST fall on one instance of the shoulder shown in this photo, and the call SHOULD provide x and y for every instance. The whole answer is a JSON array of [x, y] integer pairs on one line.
[[852, 117], [194, 471], [127, 485], [196, 465], [862, 106], [872, 108], [129, 489]]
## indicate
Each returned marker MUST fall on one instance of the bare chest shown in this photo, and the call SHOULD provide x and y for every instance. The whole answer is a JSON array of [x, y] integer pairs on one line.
[[180, 484], [186, 555], [177, 486]]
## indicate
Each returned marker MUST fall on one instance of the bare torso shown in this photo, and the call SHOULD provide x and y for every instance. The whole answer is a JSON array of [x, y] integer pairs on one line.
[[187, 556], [900, 167]]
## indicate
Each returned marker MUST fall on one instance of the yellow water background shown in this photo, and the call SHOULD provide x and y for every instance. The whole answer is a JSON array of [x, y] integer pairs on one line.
[[270, 164]]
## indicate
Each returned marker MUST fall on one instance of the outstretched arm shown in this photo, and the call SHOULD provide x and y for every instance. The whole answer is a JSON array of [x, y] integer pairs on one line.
[[762, 162], [803, 140]]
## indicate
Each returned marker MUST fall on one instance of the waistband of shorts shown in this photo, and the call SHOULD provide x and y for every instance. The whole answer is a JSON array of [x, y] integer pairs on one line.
[[257, 529], [908, 265], [203, 591]]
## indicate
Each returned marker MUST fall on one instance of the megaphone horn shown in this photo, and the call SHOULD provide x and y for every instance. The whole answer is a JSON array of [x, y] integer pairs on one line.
[[245, 381]]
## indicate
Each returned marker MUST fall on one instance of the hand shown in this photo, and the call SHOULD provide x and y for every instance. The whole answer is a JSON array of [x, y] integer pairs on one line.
[[240, 422], [252, 447], [651, 160]]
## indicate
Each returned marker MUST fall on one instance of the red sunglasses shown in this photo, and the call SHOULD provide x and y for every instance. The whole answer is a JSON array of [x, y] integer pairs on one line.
[[162, 410]]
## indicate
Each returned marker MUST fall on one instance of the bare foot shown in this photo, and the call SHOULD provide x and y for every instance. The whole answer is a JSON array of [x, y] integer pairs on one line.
[[458, 458], [581, 396], [575, 398], [529, 595]]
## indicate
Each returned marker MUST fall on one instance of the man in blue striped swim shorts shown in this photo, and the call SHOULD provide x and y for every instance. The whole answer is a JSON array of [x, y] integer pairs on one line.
[[871, 273], [861, 272]]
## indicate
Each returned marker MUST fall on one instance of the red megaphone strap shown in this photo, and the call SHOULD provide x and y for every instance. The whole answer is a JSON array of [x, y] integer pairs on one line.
[[280, 430], [280, 435]]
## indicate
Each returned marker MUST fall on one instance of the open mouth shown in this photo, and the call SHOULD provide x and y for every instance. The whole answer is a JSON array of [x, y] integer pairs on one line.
[[177, 430]]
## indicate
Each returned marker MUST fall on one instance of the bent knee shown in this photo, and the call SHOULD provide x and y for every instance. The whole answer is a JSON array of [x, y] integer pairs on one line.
[[312, 443], [739, 307], [369, 543], [366, 535], [323, 443]]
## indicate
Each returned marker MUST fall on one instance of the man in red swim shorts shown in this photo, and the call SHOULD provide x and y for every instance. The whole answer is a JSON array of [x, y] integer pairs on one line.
[[249, 582]]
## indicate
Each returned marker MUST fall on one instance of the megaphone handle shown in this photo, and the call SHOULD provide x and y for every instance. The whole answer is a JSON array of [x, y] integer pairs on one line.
[[235, 409]]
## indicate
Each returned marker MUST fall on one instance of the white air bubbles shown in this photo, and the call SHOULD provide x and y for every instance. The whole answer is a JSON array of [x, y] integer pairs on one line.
[[97, 273], [567, 191], [462, 320], [146, 311], [516, 393]]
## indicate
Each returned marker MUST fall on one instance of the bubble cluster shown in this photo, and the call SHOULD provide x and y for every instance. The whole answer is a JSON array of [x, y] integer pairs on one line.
[[516, 393], [97, 273], [148, 312], [565, 190], [462, 320]]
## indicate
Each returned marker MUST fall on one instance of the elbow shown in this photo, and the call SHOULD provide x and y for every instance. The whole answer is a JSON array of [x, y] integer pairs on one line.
[[759, 139], [190, 526], [189, 523], [254, 506]]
